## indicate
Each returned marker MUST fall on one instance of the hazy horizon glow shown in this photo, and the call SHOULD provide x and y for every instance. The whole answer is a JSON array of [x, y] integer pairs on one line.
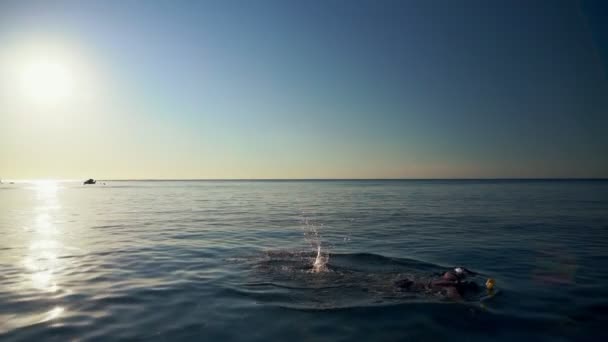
[[316, 89]]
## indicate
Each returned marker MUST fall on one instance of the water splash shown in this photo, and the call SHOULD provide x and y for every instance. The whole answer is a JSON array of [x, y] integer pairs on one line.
[[320, 264], [312, 235]]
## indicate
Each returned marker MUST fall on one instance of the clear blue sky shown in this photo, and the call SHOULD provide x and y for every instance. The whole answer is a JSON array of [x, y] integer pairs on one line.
[[312, 89]]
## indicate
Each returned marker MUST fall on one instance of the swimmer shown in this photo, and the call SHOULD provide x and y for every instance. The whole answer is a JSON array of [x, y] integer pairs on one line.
[[452, 284]]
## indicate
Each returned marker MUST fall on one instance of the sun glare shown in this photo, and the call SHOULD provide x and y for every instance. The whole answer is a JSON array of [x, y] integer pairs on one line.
[[46, 82]]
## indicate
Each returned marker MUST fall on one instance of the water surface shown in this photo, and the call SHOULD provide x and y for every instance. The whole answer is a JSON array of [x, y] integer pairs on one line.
[[233, 260]]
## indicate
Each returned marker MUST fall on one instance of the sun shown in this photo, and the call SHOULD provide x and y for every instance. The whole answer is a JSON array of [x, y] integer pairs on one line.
[[46, 82]]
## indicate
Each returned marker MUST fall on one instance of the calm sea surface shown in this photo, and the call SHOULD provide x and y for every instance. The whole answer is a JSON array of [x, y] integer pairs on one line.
[[233, 260]]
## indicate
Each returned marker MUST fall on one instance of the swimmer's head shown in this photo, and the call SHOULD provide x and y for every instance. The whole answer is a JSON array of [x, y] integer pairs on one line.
[[465, 271], [490, 283], [462, 272]]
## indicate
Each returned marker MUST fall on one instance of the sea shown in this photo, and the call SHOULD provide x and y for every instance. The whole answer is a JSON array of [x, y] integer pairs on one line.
[[302, 260]]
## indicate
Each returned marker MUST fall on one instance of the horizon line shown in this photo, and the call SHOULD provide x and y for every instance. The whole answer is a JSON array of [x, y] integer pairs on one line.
[[309, 179]]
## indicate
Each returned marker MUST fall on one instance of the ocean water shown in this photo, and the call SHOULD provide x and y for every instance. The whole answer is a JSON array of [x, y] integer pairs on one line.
[[301, 260]]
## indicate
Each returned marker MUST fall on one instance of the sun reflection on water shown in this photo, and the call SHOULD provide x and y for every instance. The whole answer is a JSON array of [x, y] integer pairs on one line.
[[42, 263], [53, 313], [42, 260]]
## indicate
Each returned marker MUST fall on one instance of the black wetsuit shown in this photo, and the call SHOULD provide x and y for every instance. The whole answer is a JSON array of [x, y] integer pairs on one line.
[[440, 285]]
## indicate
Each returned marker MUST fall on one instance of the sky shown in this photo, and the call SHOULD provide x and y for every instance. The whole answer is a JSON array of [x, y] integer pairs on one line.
[[303, 89]]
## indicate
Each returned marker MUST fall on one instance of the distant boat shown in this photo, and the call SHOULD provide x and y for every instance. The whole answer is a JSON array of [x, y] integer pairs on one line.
[[89, 181]]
